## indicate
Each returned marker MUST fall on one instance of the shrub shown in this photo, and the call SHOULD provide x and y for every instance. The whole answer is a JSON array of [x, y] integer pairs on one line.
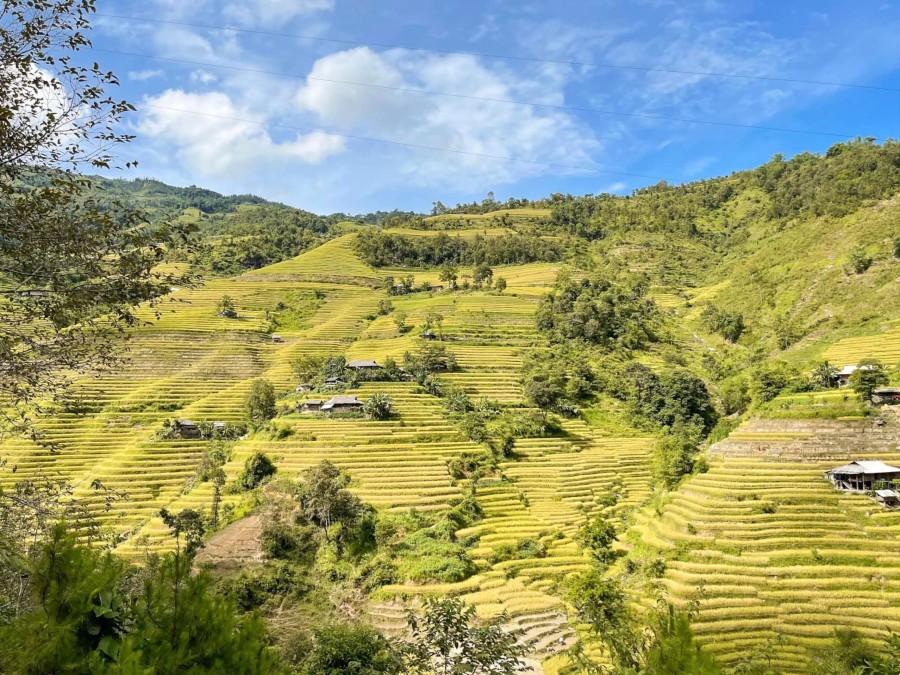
[[424, 557], [250, 589], [225, 308], [598, 537], [379, 406], [673, 456], [260, 403], [257, 468], [769, 379], [870, 375], [730, 325], [600, 311], [288, 542], [523, 549], [859, 260], [350, 649]]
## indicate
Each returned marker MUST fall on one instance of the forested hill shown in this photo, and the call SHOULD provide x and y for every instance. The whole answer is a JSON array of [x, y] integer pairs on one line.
[[232, 234], [796, 246]]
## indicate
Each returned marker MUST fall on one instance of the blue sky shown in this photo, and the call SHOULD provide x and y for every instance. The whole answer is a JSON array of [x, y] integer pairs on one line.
[[262, 132]]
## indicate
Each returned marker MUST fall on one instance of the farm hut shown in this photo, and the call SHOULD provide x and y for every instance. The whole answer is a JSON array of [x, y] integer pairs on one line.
[[304, 387], [887, 498], [333, 383], [363, 364], [308, 407], [889, 395], [437, 287], [342, 404], [277, 338], [843, 376], [861, 475], [429, 335], [218, 426], [186, 429]]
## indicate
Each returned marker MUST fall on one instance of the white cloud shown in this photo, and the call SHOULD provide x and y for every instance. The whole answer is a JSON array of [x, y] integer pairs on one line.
[[203, 77], [464, 125], [273, 12], [149, 74], [225, 140]]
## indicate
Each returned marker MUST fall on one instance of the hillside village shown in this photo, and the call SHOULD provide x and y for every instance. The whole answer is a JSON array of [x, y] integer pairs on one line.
[[450, 400], [639, 415]]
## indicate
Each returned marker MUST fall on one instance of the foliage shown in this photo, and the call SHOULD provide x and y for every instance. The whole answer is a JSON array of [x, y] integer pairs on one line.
[[847, 653], [674, 456], [75, 263], [600, 311], [769, 379], [825, 375], [598, 536], [601, 603], [378, 406], [445, 639], [325, 500], [272, 582], [257, 468], [730, 325], [225, 308], [306, 367], [260, 402], [351, 649], [92, 619], [381, 249], [429, 358], [543, 393], [500, 284], [482, 275], [188, 524], [662, 643], [676, 397], [429, 555], [870, 375], [286, 541], [859, 260], [400, 321]]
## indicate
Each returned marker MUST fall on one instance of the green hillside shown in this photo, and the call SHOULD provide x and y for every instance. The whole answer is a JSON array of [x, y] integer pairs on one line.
[[718, 298]]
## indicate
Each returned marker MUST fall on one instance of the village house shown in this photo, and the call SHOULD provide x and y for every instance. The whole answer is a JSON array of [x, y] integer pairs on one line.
[[277, 338], [861, 475], [342, 404], [333, 383], [309, 407], [889, 499], [304, 387], [843, 375], [889, 395], [363, 364], [186, 429], [218, 426], [428, 335]]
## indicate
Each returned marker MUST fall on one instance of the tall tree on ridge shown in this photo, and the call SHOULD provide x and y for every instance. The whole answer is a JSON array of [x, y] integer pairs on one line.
[[72, 271]]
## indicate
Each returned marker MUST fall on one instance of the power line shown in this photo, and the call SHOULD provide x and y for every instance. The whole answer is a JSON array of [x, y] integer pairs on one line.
[[590, 169], [508, 57], [550, 106]]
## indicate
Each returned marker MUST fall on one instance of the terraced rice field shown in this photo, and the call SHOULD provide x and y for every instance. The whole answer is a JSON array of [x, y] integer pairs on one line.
[[192, 364], [515, 214], [884, 346], [779, 553]]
